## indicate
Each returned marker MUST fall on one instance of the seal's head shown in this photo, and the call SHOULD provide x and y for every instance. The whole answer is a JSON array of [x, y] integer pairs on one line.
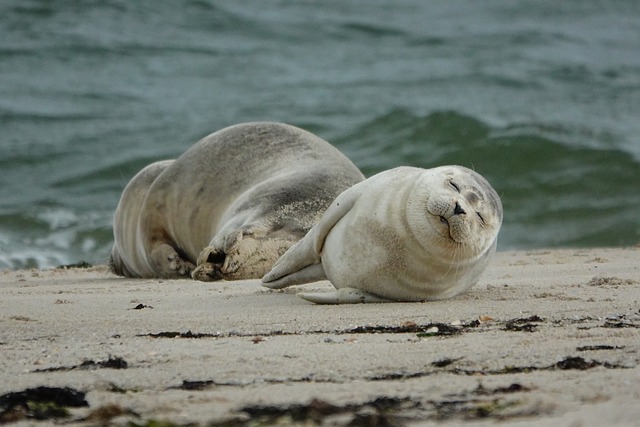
[[463, 212]]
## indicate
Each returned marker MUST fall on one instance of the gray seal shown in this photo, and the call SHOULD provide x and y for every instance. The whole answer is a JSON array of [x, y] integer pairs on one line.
[[406, 234], [230, 206]]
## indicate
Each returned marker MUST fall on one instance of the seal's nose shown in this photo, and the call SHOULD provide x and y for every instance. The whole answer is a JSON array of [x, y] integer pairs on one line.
[[458, 210]]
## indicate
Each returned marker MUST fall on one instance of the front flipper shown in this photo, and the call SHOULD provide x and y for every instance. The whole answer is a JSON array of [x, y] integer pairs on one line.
[[213, 261], [302, 262], [308, 274], [167, 262], [209, 266], [343, 296]]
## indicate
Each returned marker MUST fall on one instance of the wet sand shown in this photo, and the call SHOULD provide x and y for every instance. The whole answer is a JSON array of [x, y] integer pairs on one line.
[[547, 338]]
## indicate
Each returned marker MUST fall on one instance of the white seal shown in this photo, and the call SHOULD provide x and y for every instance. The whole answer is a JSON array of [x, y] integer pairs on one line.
[[229, 206], [406, 234]]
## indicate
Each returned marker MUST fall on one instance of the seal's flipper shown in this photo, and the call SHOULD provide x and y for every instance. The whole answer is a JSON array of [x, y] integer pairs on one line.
[[209, 264], [248, 251], [342, 296], [308, 274], [306, 253], [299, 257], [167, 262]]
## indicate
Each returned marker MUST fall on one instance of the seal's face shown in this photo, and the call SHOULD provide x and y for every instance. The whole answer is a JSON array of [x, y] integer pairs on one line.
[[463, 209]]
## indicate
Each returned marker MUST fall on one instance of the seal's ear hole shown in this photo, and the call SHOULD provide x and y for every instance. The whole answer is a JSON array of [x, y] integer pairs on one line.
[[216, 257]]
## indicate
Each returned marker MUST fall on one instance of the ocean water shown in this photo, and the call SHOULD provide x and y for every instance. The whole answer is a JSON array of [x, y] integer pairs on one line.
[[541, 97]]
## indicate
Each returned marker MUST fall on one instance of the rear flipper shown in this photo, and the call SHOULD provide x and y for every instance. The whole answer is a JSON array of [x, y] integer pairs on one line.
[[343, 296]]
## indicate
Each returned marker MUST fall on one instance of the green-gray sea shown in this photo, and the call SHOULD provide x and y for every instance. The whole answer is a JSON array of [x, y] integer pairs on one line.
[[542, 97]]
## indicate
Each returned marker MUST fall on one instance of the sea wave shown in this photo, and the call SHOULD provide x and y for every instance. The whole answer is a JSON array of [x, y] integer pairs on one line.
[[46, 238], [560, 186], [540, 97]]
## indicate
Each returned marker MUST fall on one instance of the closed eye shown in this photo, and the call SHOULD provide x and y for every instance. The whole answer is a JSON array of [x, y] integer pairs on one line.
[[454, 185], [481, 218]]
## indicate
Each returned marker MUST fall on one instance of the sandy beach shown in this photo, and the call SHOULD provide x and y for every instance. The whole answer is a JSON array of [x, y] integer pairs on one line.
[[547, 338]]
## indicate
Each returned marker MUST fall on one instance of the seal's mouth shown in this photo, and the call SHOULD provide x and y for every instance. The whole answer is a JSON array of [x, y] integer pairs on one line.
[[449, 234], [448, 220], [442, 226]]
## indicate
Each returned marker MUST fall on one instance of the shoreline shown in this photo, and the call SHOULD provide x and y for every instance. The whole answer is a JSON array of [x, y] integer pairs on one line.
[[547, 337]]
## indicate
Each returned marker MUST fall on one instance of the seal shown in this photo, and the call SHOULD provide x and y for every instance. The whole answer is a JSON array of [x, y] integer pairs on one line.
[[229, 206], [406, 234]]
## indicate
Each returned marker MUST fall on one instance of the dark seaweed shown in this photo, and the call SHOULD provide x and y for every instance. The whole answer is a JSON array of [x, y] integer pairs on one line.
[[41, 403], [110, 363]]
